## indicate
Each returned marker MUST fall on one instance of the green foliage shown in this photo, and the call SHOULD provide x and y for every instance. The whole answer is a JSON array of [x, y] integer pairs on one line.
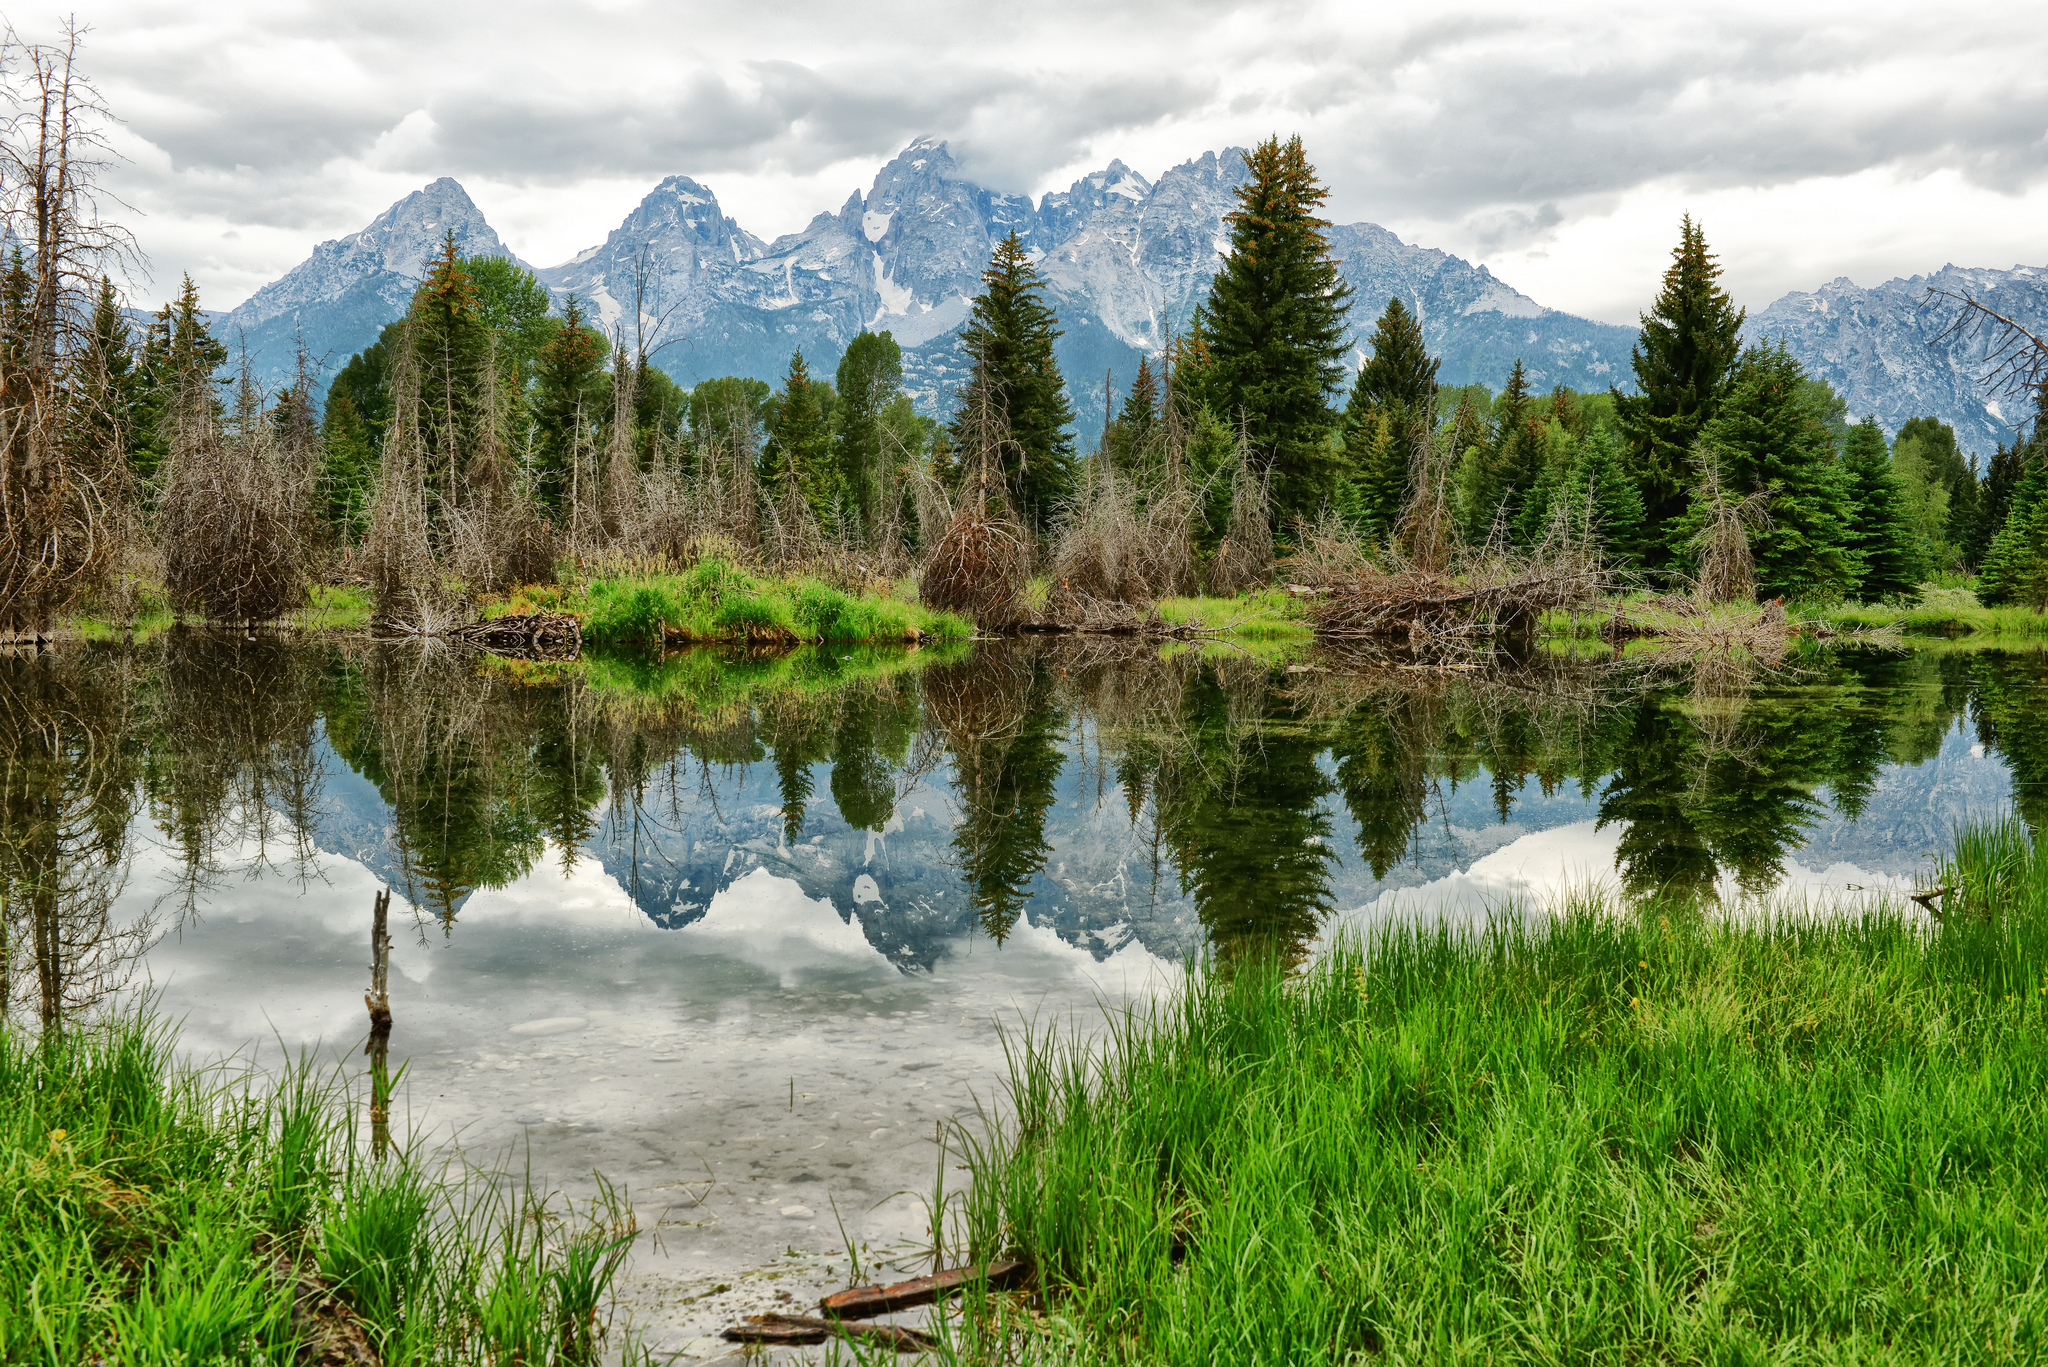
[[516, 309], [1888, 557], [1128, 442], [1768, 436], [727, 411], [1009, 340], [869, 380], [715, 600], [1686, 360], [1597, 494], [178, 353], [1392, 400], [1274, 327], [569, 401], [2015, 569], [799, 454], [1944, 502]]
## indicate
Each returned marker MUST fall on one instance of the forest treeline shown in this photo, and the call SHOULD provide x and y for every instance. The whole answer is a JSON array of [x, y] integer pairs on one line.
[[493, 436]]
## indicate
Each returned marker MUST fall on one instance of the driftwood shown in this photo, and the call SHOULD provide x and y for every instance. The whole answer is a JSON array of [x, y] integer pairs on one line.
[[546, 634], [808, 1329], [860, 1301]]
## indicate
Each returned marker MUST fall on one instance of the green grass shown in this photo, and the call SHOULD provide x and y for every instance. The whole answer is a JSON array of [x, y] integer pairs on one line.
[[1939, 612], [335, 607], [145, 1204], [1264, 615], [1620, 1135], [717, 601], [712, 679]]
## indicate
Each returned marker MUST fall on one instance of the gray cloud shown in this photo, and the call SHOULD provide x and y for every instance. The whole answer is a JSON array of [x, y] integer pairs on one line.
[[293, 117]]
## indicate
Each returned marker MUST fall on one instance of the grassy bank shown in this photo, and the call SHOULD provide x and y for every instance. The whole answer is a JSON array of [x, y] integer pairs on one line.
[[717, 601], [157, 1215], [1643, 1134]]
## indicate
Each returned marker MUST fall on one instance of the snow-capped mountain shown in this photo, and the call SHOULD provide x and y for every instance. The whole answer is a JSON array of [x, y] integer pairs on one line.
[[1890, 351], [341, 296], [1125, 260]]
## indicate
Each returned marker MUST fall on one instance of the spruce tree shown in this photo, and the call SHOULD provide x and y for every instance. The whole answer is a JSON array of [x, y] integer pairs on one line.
[[1935, 441], [800, 441], [1516, 462], [1275, 327], [110, 384], [348, 469], [1597, 495], [1691, 343], [451, 345], [1767, 437], [2016, 562], [568, 401], [869, 378], [1009, 342], [1882, 549], [1128, 439], [1393, 397], [179, 353]]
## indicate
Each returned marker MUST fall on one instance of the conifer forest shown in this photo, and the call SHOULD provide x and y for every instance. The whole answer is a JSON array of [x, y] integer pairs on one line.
[[1332, 864]]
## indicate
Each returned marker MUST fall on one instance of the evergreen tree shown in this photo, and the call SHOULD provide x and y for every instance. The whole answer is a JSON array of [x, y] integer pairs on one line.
[[451, 346], [178, 353], [870, 377], [800, 440], [110, 384], [1009, 342], [1517, 459], [1275, 327], [1691, 343], [1767, 436], [348, 468], [1129, 437], [1598, 490], [727, 410], [1392, 399], [568, 401], [2016, 562], [1882, 549], [1568, 413]]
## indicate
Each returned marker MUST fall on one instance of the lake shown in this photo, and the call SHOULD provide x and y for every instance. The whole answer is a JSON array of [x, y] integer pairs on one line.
[[749, 932]]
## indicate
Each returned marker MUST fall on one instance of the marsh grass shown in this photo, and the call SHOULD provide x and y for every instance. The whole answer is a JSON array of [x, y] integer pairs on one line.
[[152, 1211], [716, 600], [1617, 1134]]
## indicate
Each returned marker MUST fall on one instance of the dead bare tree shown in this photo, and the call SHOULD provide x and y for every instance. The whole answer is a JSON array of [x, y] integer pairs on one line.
[[981, 564], [236, 514], [1727, 571], [2015, 356], [56, 502]]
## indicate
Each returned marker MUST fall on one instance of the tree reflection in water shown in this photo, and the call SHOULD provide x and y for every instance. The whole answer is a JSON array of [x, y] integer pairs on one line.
[[1235, 786]]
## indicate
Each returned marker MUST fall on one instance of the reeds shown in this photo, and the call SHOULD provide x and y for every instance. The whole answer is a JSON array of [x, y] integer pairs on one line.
[[1615, 1133]]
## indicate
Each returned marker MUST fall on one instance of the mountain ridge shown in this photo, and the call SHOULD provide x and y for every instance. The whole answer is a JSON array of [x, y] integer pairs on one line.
[[1125, 260]]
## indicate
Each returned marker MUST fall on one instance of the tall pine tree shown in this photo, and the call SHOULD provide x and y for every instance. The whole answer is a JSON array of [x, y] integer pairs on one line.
[[1275, 327], [1883, 551], [1392, 399], [1691, 343], [1009, 342], [568, 402], [1128, 441]]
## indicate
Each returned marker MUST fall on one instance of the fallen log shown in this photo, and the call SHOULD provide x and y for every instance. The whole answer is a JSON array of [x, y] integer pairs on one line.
[[861, 1301], [808, 1329]]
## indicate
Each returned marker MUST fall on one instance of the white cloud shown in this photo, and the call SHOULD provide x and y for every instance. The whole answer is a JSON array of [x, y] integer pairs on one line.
[[1558, 145]]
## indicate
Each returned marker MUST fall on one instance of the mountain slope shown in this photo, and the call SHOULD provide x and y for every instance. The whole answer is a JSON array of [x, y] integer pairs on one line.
[[1884, 350], [341, 296]]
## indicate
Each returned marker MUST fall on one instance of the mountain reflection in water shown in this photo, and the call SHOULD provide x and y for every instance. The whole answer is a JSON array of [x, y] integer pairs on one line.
[[1108, 790]]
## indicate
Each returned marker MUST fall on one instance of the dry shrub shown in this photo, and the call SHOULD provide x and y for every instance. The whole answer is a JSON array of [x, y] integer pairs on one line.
[[981, 563], [1727, 571], [398, 550], [236, 513], [1490, 590], [1244, 557], [1427, 531], [1125, 541]]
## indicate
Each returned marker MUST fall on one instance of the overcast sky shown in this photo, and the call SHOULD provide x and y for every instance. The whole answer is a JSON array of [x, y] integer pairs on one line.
[[1556, 144]]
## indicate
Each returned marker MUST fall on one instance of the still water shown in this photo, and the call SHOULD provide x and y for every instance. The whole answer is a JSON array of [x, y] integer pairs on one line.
[[744, 932]]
